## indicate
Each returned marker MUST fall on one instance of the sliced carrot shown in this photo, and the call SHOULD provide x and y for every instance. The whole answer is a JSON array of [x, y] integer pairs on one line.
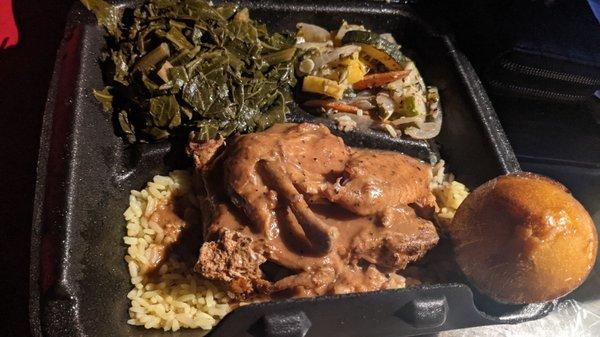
[[378, 80], [339, 106]]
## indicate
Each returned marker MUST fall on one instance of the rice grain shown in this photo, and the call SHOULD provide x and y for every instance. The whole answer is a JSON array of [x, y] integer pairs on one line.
[[175, 297]]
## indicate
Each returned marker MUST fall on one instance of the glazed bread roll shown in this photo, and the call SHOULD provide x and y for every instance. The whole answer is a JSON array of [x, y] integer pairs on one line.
[[523, 238]]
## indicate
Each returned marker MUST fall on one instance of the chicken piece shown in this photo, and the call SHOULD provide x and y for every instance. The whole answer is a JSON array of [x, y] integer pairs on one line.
[[309, 154], [402, 238], [357, 279], [207, 178], [204, 153], [309, 283], [322, 281], [374, 180], [296, 198], [233, 258], [319, 234]]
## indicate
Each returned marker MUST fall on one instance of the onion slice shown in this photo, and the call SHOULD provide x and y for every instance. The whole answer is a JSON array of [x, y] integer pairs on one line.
[[335, 55], [418, 120], [425, 130], [313, 33], [362, 103], [321, 46], [386, 103], [345, 28], [362, 122]]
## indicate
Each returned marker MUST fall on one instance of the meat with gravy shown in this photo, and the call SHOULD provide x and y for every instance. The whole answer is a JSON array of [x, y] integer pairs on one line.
[[331, 218]]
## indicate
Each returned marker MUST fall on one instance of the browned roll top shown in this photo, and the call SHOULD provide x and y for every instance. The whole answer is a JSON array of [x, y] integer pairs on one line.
[[523, 238]]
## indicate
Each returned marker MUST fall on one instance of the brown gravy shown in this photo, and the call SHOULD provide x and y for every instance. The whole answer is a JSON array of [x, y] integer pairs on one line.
[[338, 219]]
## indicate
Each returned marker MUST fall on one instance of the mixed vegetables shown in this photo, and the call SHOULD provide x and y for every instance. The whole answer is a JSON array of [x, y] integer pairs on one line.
[[362, 79], [181, 66]]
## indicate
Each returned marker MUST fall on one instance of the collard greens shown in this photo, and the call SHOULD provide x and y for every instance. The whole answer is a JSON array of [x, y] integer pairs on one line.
[[177, 66]]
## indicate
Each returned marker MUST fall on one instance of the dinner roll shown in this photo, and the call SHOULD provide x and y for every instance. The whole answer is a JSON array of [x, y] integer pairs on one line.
[[523, 238]]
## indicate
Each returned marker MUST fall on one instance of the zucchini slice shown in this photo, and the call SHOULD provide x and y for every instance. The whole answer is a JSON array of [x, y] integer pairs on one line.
[[324, 86], [377, 48]]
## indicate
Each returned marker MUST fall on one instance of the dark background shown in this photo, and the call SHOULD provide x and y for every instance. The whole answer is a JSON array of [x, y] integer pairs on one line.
[[25, 72], [562, 141]]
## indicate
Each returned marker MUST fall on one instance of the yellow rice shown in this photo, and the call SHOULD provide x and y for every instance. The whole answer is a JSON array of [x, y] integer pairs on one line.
[[177, 297], [448, 192]]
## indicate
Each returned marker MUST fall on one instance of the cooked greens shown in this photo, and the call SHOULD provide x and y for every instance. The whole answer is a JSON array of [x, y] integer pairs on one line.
[[107, 15], [185, 65], [104, 97]]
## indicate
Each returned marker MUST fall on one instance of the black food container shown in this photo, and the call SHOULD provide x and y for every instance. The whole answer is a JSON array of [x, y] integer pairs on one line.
[[79, 280]]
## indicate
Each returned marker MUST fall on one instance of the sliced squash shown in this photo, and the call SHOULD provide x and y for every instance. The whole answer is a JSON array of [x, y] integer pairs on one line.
[[356, 69], [345, 28], [374, 47], [324, 86]]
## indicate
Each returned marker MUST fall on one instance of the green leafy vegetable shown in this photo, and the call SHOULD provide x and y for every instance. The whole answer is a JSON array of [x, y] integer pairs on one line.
[[164, 111], [183, 66], [107, 15], [178, 39], [104, 97], [126, 127], [149, 61]]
